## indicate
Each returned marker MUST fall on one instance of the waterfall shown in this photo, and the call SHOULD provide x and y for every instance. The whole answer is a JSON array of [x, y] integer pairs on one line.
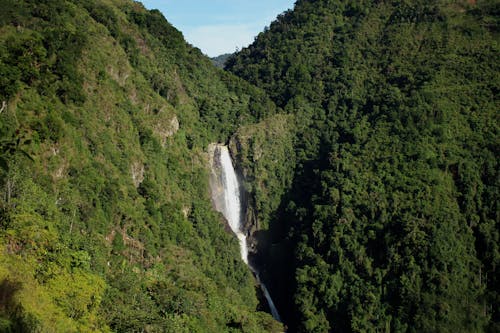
[[232, 200], [270, 302], [227, 198]]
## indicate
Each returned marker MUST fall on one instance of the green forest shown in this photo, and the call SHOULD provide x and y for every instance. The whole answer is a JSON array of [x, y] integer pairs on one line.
[[384, 217], [367, 132], [106, 223]]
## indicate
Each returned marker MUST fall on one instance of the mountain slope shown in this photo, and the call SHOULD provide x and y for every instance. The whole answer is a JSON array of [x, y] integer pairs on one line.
[[391, 220], [105, 214], [220, 60]]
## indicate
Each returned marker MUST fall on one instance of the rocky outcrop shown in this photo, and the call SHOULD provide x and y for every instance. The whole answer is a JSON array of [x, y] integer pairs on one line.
[[216, 184], [137, 171], [165, 131]]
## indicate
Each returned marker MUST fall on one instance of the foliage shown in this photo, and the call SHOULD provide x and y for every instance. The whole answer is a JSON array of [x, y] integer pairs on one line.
[[391, 222], [220, 60], [105, 218]]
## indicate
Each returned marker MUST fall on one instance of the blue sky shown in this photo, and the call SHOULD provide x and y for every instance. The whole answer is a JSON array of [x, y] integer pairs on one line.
[[220, 26]]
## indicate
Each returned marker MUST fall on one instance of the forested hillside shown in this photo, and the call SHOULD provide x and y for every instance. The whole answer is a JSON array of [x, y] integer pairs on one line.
[[383, 211], [367, 132], [106, 222]]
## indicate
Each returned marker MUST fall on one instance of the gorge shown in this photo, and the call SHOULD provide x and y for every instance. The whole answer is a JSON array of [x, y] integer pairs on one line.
[[354, 155]]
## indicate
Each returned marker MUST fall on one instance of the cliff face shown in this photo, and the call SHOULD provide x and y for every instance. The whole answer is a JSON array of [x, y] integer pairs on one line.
[[216, 182]]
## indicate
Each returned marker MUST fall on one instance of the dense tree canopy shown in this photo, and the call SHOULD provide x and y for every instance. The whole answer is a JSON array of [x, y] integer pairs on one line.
[[105, 218], [367, 132], [391, 221]]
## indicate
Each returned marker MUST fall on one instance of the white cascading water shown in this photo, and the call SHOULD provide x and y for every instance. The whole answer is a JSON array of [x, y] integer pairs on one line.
[[230, 206]]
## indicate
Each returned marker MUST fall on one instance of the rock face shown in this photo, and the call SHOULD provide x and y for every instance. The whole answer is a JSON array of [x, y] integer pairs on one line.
[[216, 183], [137, 171], [166, 130]]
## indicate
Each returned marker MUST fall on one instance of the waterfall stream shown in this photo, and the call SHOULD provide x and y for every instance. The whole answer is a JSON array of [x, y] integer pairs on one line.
[[227, 197], [232, 200]]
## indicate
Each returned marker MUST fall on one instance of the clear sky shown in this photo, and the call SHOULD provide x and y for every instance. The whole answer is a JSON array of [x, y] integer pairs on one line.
[[220, 26]]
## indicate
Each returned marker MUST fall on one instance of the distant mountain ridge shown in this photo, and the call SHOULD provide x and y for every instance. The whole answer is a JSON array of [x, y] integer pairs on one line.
[[220, 60]]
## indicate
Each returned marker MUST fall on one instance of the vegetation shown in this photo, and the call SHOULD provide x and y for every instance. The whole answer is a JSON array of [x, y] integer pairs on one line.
[[220, 61], [367, 131], [105, 217], [390, 221]]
